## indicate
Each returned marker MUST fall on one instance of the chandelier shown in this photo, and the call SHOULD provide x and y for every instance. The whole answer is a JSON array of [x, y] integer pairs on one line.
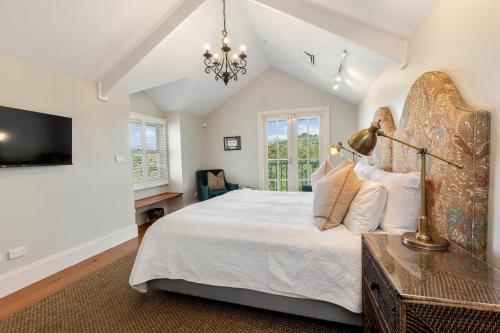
[[227, 66]]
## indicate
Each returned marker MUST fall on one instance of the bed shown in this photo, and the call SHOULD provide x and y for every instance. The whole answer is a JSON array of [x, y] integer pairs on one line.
[[256, 246], [263, 249]]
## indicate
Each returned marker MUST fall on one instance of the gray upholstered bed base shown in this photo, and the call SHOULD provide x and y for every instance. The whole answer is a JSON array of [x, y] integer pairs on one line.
[[296, 306]]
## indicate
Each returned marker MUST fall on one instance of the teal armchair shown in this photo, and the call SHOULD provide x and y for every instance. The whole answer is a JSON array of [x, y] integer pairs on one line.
[[204, 193]]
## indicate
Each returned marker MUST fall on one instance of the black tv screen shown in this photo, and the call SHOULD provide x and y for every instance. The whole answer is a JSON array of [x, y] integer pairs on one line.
[[30, 138]]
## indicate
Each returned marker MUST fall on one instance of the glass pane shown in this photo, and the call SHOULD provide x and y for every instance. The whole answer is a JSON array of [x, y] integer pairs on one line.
[[137, 171], [272, 129], [313, 149], [302, 128], [272, 186], [153, 165], [283, 165], [273, 170], [283, 185], [302, 166], [301, 184], [313, 165], [302, 147], [282, 129], [151, 137], [135, 134], [272, 152], [283, 149], [313, 128]]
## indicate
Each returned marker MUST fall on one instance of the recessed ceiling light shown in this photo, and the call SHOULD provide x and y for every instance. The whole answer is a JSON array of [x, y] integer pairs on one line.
[[336, 86]]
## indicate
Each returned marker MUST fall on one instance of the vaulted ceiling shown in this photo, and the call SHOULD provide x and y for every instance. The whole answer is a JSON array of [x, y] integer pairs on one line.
[[156, 45]]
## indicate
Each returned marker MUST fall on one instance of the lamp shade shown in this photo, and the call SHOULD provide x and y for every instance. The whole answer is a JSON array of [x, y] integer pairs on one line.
[[365, 140], [335, 149]]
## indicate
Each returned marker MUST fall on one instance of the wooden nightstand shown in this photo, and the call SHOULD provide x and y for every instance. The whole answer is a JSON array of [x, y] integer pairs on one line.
[[411, 291]]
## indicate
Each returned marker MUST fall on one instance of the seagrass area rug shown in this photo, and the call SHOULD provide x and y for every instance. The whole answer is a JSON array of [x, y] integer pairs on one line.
[[104, 302]]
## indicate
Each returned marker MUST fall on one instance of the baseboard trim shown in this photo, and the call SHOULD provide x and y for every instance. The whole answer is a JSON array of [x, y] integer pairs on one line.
[[22, 277]]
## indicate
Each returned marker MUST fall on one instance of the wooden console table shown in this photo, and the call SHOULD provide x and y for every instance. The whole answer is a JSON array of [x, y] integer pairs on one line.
[[155, 199]]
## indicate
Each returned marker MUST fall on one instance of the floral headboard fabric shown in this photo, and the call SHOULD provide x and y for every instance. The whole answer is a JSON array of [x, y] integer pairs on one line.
[[436, 116], [382, 155]]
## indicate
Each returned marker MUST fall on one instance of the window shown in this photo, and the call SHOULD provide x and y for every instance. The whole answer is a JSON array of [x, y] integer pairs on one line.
[[291, 145], [149, 151], [308, 148], [277, 155]]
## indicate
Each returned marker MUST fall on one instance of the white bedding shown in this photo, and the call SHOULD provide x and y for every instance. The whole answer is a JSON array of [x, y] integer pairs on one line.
[[263, 241]]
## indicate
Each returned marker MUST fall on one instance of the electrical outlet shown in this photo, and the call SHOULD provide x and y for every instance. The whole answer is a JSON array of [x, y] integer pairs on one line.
[[119, 158], [17, 252]]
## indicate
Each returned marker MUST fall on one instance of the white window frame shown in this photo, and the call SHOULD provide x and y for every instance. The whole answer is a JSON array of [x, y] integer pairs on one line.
[[323, 112], [155, 120]]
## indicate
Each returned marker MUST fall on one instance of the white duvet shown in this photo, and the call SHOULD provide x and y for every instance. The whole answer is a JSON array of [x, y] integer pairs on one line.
[[263, 241]]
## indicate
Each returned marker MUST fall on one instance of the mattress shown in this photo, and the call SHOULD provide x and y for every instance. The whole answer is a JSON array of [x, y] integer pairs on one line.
[[256, 240]]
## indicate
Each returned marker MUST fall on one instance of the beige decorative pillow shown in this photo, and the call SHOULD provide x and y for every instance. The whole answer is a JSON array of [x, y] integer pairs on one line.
[[325, 168], [216, 182], [333, 196]]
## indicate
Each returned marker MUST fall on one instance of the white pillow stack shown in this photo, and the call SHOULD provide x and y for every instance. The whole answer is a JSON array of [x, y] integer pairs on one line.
[[403, 201], [364, 171], [386, 199], [367, 209]]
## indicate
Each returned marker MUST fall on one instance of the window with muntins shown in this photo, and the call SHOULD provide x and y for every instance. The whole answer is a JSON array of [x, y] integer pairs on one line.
[[149, 151]]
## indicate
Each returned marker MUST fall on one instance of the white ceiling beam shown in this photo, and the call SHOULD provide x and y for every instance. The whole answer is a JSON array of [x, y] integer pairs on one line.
[[173, 19], [380, 41]]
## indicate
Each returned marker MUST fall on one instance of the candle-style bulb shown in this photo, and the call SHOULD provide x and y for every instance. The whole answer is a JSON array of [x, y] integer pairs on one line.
[[243, 48], [207, 47]]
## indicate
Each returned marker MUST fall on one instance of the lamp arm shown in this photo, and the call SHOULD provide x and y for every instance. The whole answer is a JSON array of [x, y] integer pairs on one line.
[[421, 150], [352, 152]]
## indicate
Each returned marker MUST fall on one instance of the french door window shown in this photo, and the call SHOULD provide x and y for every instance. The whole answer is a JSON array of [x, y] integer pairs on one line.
[[292, 146]]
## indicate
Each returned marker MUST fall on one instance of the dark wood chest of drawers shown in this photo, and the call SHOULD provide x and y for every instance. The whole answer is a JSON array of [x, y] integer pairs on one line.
[[410, 291]]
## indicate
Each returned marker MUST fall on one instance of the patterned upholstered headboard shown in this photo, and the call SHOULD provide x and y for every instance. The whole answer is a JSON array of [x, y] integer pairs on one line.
[[436, 116], [382, 155]]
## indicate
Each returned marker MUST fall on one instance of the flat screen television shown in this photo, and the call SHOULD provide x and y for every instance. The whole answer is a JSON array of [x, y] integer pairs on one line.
[[30, 138]]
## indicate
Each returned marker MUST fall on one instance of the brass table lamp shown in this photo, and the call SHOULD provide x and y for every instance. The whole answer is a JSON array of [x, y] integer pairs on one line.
[[336, 148], [364, 142]]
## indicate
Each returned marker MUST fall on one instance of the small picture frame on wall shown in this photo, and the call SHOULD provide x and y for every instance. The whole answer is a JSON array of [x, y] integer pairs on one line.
[[232, 143]]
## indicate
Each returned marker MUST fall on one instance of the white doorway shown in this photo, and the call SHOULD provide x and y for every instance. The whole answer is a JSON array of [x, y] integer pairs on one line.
[[292, 144]]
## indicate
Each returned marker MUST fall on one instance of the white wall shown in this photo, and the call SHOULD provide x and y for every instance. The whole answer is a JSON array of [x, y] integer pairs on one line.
[[185, 145], [53, 209], [192, 136], [461, 38], [273, 90]]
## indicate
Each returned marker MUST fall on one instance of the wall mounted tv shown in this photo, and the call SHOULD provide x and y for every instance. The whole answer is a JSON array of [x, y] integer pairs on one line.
[[30, 138]]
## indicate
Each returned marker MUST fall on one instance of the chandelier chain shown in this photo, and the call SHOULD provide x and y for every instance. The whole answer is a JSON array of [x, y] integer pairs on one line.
[[224, 32]]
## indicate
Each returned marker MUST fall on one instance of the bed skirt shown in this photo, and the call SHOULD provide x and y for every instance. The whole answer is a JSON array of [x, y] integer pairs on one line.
[[296, 306]]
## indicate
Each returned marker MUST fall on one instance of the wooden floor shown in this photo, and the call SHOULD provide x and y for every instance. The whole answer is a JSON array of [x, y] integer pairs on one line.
[[41, 289]]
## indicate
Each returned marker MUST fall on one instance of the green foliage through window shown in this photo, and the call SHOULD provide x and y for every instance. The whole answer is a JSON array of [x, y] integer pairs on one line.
[[308, 152]]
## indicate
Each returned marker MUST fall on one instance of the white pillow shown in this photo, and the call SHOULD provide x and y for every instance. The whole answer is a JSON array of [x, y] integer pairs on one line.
[[367, 208], [364, 171], [403, 200]]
